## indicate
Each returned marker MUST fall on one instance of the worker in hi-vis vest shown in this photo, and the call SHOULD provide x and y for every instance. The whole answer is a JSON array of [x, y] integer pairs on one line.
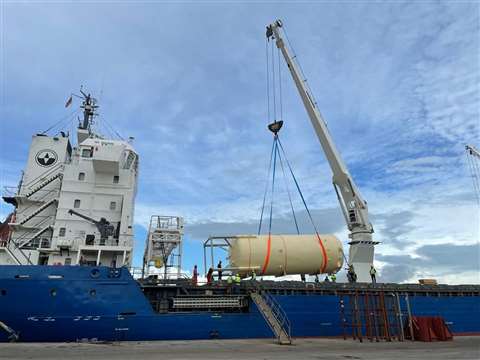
[[229, 283]]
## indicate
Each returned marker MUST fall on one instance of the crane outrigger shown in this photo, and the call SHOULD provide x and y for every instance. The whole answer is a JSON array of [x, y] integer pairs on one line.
[[354, 207]]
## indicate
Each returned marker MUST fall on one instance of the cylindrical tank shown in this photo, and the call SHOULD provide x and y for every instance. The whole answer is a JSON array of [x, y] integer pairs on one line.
[[280, 255]]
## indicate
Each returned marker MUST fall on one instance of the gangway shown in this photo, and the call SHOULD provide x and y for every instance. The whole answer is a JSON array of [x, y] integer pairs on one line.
[[12, 334], [274, 315]]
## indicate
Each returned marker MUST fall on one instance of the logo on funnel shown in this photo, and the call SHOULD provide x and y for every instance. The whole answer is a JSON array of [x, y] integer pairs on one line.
[[46, 158]]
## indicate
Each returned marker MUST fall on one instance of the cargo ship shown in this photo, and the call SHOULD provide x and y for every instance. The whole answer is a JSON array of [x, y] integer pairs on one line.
[[66, 258], [84, 303]]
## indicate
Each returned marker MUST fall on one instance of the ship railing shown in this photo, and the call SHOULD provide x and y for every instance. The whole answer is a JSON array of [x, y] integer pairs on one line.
[[27, 237], [104, 242], [45, 195], [43, 176], [12, 248], [160, 276], [9, 191]]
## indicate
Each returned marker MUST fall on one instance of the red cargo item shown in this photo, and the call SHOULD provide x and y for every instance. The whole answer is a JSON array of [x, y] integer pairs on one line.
[[430, 328], [441, 329]]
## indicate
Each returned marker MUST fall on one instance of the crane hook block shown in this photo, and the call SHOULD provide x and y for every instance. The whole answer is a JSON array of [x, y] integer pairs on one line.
[[275, 126], [269, 31]]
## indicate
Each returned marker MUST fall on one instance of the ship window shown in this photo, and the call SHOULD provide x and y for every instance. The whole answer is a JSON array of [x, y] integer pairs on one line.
[[81, 176], [53, 292], [116, 179], [3, 292], [87, 153], [93, 292], [89, 239], [76, 203], [62, 231], [113, 205], [130, 159]]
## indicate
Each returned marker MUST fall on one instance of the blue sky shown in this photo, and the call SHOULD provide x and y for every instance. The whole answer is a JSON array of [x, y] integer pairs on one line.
[[397, 82]]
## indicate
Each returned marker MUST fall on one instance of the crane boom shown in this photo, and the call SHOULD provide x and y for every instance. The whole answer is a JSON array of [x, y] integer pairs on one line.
[[473, 159], [354, 208], [104, 227]]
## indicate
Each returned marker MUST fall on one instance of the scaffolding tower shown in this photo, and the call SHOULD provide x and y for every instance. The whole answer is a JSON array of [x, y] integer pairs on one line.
[[163, 248]]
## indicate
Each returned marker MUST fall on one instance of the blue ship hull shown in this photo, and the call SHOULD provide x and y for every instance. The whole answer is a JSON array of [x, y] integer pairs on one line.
[[72, 303]]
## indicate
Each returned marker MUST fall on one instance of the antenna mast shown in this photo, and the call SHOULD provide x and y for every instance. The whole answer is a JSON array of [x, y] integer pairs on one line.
[[89, 105]]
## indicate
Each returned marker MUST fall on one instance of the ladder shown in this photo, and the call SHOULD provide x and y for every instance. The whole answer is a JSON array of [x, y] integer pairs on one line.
[[274, 315]]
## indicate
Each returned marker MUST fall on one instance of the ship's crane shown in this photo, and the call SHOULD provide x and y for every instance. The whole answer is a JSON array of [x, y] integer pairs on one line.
[[473, 159], [354, 207], [104, 227]]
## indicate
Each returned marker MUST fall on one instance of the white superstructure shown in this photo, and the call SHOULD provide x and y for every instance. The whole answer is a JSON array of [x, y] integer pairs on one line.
[[74, 205]]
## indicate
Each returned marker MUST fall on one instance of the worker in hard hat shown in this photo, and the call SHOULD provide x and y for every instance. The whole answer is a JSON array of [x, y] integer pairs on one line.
[[253, 277], [210, 276], [373, 273], [352, 277], [333, 277], [195, 275], [219, 270]]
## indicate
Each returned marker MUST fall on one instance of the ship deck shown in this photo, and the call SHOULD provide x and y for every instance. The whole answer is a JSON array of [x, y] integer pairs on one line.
[[185, 287]]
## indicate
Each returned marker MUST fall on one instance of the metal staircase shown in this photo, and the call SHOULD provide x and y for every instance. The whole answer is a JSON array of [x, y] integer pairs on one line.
[[25, 241], [274, 315], [26, 230], [43, 184], [17, 254], [36, 212], [12, 334], [12, 255]]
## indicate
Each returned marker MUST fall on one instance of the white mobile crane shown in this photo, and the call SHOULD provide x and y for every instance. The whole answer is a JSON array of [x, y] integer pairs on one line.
[[354, 208], [473, 159]]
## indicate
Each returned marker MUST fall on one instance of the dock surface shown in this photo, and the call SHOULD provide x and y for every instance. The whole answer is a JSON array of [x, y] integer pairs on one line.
[[464, 347]]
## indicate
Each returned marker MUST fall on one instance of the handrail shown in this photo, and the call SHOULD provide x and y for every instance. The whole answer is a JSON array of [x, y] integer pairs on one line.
[[21, 252], [20, 239], [277, 311], [42, 175], [170, 276], [41, 199], [10, 190], [13, 335], [7, 249]]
